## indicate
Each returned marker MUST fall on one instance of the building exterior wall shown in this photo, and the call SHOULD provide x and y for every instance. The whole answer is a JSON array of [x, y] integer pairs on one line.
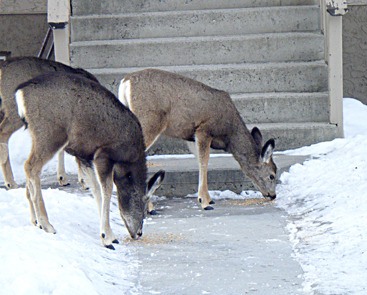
[[355, 50], [23, 26]]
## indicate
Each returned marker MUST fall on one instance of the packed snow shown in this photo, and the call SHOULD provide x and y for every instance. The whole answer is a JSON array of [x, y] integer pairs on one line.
[[324, 199]]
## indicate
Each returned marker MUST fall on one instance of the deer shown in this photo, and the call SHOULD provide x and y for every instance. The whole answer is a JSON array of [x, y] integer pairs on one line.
[[179, 107], [13, 72], [70, 112]]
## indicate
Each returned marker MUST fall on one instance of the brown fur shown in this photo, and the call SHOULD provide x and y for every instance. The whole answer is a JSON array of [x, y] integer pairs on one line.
[[179, 107], [66, 110], [13, 72]]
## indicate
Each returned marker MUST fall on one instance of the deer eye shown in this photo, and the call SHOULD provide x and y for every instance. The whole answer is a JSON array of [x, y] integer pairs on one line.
[[129, 176], [272, 177]]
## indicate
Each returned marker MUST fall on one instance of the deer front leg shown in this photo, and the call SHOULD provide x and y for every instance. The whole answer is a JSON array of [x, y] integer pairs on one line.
[[203, 147], [103, 170], [61, 174]]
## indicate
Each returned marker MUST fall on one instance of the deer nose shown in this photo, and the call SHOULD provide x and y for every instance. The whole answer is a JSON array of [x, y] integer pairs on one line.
[[139, 234], [272, 197]]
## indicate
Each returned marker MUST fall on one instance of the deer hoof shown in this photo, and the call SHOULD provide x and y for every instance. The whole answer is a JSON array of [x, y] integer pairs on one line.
[[115, 241], [62, 181], [208, 208], [211, 202], [111, 247], [11, 185], [153, 212], [83, 185]]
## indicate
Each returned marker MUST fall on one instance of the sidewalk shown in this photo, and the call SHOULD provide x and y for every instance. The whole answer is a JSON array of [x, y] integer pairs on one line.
[[241, 247], [234, 249], [238, 248]]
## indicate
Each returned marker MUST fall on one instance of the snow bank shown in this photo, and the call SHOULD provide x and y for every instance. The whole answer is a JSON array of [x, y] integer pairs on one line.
[[326, 200]]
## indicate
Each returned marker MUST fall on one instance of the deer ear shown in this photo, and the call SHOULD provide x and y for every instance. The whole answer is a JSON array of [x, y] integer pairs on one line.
[[256, 135], [155, 182], [267, 151]]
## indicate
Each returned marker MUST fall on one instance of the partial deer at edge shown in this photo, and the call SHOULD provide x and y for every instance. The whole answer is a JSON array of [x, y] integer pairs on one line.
[[179, 107], [13, 72]]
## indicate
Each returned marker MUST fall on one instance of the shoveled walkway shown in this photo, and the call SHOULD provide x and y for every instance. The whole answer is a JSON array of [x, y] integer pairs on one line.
[[241, 247]]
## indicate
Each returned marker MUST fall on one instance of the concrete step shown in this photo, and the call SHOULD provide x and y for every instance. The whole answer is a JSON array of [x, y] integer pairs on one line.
[[240, 78], [282, 107], [224, 173], [286, 135], [196, 23], [120, 6], [198, 50]]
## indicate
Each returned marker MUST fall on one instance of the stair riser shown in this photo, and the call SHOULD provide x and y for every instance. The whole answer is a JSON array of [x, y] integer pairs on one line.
[[197, 23], [121, 6], [286, 77], [272, 48], [310, 108], [285, 138]]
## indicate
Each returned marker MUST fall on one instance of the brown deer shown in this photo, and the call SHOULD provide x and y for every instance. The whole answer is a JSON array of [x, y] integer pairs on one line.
[[68, 111], [179, 107], [13, 72]]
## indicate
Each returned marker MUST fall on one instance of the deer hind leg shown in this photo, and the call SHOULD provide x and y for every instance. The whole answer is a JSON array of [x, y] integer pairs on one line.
[[83, 176], [61, 174], [7, 128], [33, 167], [203, 142], [91, 181], [153, 126], [103, 171]]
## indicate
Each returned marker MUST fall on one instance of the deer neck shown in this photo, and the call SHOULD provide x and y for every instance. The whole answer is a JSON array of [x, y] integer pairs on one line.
[[243, 147]]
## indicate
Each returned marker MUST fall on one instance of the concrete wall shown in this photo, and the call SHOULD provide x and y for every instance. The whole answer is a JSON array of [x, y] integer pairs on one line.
[[23, 26], [355, 50]]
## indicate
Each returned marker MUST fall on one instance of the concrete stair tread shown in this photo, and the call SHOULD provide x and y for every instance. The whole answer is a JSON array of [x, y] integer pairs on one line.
[[240, 78], [190, 11], [188, 39], [110, 7], [277, 47], [178, 69], [194, 23], [292, 125], [267, 95]]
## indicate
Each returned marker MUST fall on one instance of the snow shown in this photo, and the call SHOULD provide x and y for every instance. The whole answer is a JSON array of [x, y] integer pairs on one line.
[[326, 201], [326, 219]]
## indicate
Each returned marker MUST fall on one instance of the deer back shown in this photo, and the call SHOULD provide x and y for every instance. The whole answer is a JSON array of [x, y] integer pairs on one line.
[[17, 70], [182, 104]]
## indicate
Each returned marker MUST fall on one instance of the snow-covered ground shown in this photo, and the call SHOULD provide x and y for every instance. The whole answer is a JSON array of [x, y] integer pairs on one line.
[[324, 198]]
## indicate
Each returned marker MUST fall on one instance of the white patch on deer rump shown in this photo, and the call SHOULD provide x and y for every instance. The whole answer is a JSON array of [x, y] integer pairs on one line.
[[125, 93], [19, 98]]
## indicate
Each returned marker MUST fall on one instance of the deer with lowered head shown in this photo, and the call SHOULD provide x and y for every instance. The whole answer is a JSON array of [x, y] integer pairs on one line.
[[13, 72], [179, 107], [68, 111]]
